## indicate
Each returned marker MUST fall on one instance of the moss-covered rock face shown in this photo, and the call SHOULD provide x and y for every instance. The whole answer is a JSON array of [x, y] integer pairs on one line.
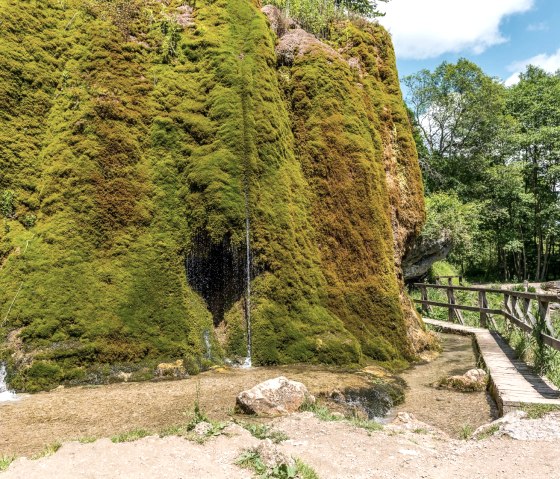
[[137, 138]]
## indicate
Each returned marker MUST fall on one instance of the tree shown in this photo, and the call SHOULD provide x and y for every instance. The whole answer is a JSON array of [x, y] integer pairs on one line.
[[459, 113], [535, 104], [499, 148]]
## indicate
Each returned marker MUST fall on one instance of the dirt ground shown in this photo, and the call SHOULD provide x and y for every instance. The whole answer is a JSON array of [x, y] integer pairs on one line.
[[66, 414], [335, 450], [427, 448]]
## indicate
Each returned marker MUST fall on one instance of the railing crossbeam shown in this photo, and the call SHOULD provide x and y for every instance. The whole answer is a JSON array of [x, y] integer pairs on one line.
[[516, 309]]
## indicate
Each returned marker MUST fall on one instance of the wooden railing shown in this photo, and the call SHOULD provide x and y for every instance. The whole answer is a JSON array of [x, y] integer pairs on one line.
[[517, 308], [449, 279]]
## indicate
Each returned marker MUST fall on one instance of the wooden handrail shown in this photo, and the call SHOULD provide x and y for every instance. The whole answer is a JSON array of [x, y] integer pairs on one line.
[[552, 298], [516, 309]]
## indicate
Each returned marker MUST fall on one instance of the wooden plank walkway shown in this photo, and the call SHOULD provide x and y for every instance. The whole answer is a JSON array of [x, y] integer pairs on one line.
[[512, 383]]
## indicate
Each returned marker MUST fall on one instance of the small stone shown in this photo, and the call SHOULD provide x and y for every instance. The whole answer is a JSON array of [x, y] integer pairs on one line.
[[409, 452], [203, 429], [272, 457], [175, 370]]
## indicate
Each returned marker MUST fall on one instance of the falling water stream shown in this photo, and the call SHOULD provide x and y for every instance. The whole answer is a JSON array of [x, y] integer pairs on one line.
[[246, 185], [5, 394], [247, 363]]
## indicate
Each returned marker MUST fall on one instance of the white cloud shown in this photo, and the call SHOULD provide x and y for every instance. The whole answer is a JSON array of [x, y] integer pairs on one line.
[[549, 63], [429, 28]]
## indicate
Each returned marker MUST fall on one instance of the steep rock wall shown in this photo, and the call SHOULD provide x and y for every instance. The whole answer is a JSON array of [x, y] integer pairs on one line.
[[136, 137]]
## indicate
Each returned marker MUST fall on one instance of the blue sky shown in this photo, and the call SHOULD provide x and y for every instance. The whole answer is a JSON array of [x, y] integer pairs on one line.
[[502, 36]]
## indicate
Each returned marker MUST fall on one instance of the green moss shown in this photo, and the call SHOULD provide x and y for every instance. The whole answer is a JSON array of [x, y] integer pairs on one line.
[[129, 144], [339, 129]]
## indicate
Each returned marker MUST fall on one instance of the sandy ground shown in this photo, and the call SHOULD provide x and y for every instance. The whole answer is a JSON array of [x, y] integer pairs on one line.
[[336, 450], [66, 414]]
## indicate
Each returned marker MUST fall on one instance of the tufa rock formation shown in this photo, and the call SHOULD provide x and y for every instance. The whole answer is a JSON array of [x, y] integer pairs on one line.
[[140, 141]]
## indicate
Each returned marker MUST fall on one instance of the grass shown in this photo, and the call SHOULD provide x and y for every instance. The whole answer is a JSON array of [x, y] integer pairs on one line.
[[420, 430], [48, 450], [466, 432], [87, 439], [130, 436], [5, 462], [537, 411], [251, 460], [196, 417], [489, 432], [263, 431], [368, 425], [321, 411]]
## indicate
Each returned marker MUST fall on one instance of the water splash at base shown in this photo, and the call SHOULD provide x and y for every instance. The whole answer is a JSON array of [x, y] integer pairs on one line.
[[6, 395], [247, 364]]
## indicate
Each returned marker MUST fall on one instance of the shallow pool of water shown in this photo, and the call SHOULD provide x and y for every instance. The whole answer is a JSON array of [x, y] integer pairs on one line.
[[451, 411]]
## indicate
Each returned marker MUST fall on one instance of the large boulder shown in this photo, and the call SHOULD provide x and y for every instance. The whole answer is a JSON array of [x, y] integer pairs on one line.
[[274, 397], [423, 254]]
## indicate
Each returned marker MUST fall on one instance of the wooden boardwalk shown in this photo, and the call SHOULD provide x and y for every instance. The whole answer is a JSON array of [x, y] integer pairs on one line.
[[512, 383]]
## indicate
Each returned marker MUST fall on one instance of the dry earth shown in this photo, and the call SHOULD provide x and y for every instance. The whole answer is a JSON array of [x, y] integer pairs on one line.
[[334, 449]]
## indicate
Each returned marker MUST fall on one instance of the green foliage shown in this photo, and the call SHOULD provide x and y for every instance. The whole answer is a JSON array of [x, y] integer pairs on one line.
[[321, 411], [87, 439], [48, 450], [450, 219], [319, 16], [443, 268], [466, 432], [489, 432], [7, 204], [251, 459], [130, 436], [368, 425], [496, 149], [264, 431], [538, 411]]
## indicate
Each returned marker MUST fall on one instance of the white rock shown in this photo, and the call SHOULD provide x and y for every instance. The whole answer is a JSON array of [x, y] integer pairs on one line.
[[274, 397]]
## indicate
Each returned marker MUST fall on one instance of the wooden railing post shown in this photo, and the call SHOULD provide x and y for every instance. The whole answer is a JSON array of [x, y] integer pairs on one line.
[[543, 326], [424, 292], [453, 313], [483, 304]]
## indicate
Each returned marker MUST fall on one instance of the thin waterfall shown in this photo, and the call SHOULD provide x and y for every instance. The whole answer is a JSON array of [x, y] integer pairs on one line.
[[5, 394], [246, 184], [247, 363]]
